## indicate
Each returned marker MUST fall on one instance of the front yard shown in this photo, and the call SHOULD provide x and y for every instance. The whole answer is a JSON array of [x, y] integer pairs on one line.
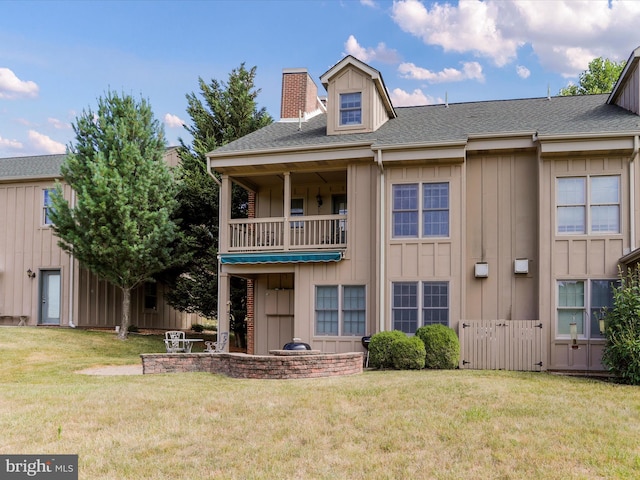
[[378, 425]]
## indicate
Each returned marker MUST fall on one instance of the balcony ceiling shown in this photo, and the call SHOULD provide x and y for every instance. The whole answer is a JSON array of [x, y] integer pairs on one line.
[[318, 177]]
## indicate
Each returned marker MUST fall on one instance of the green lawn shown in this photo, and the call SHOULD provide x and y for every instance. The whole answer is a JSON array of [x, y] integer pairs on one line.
[[378, 425]]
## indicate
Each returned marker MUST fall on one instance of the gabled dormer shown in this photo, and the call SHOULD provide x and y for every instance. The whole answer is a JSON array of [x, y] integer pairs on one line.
[[357, 99], [626, 92]]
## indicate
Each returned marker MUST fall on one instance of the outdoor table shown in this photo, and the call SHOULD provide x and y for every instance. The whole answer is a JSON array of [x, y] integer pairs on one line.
[[188, 343]]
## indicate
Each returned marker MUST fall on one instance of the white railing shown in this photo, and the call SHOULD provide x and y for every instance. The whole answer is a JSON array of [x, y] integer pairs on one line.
[[302, 232]]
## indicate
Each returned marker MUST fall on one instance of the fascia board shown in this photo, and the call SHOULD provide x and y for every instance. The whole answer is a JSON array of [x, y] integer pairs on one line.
[[291, 156], [455, 151], [602, 142]]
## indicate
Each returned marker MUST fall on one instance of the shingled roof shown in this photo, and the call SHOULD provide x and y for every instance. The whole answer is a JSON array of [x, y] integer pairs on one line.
[[36, 167], [433, 124]]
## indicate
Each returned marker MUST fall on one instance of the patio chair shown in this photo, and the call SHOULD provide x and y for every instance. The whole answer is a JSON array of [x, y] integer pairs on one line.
[[174, 340], [217, 347]]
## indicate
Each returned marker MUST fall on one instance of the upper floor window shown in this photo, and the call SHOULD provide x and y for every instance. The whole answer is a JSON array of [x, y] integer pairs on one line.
[[434, 206], [297, 210], [47, 205], [351, 108], [407, 303], [340, 310], [592, 201]]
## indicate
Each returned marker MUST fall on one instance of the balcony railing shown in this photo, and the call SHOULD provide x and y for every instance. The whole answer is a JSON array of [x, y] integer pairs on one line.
[[298, 233]]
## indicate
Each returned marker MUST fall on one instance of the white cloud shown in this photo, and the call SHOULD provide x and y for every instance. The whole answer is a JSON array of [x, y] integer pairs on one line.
[[45, 144], [565, 35], [368, 3], [12, 87], [400, 98], [58, 124], [173, 121], [381, 53], [14, 144], [470, 71], [522, 71]]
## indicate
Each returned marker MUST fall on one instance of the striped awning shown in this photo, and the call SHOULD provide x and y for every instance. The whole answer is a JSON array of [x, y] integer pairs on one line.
[[279, 257]]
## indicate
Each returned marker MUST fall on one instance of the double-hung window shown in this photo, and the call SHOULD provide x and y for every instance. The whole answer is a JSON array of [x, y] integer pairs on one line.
[[340, 310], [588, 204], [582, 302], [426, 215], [47, 205], [351, 108], [407, 303]]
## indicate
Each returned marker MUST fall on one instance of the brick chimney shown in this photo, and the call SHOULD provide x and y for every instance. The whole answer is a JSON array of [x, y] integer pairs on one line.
[[299, 94]]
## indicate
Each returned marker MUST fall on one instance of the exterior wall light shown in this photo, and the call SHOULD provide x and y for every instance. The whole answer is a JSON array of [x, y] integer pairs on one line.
[[573, 331], [602, 325], [31, 274]]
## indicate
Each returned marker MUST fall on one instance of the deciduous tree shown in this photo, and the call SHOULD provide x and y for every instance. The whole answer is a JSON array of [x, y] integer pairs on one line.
[[600, 77], [120, 224]]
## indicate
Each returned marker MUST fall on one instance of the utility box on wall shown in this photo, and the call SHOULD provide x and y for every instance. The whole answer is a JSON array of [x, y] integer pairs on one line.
[[279, 302]]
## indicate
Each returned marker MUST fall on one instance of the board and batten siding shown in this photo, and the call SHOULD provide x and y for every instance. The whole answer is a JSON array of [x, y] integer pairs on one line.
[[27, 243]]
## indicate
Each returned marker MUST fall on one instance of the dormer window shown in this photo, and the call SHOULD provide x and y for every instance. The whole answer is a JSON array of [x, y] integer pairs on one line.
[[351, 108]]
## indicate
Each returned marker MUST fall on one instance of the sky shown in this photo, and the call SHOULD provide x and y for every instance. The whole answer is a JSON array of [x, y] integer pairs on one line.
[[58, 57]]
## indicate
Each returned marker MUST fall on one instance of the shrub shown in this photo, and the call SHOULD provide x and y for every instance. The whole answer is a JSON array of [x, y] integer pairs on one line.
[[408, 353], [380, 348], [622, 331], [442, 347], [133, 329], [196, 327]]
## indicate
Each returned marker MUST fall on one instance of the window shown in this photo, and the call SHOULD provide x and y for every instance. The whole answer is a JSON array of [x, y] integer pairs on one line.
[[340, 310], [351, 108], [435, 209], [47, 206], [150, 296], [434, 206], [581, 302], [406, 304], [593, 201], [297, 210]]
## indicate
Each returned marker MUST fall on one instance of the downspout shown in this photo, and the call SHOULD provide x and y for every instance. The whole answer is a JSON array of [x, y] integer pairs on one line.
[[382, 258], [71, 271], [632, 195], [211, 173]]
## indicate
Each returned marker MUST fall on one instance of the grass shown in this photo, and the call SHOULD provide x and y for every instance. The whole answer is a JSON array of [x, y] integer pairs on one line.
[[378, 425]]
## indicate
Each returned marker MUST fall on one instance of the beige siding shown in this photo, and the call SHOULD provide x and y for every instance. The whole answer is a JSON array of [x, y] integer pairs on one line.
[[501, 226], [352, 80], [26, 243], [629, 97], [578, 257], [427, 259]]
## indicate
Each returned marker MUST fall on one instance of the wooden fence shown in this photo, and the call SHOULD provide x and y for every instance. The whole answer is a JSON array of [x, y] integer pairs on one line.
[[503, 345]]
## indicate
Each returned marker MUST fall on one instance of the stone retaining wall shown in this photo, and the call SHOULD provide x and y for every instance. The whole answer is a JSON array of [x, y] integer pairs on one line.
[[240, 365]]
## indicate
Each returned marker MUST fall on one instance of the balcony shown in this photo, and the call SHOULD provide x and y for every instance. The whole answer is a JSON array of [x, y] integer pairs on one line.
[[312, 232]]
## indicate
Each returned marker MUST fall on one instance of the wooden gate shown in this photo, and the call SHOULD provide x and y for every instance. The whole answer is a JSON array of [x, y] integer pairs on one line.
[[502, 345]]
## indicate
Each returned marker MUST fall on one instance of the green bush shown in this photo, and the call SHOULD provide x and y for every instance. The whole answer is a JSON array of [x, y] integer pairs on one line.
[[133, 329], [441, 345], [622, 331], [408, 353], [196, 327], [380, 348]]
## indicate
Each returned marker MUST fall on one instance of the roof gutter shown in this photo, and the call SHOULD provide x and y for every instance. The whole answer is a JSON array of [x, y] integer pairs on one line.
[[381, 239]]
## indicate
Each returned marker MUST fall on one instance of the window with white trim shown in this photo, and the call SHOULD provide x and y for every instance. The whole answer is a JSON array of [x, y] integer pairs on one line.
[[583, 302], [47, 205], [406, 304], [433, 205], [340, 310], [297, 210], [351, 108], [592, 201]]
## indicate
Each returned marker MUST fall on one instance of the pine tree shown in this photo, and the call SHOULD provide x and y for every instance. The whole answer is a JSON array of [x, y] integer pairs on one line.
[[120, 224], [220, 113]]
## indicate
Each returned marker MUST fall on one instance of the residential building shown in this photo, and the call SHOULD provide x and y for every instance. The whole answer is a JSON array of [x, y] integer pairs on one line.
[[40, 284], [505, 220]]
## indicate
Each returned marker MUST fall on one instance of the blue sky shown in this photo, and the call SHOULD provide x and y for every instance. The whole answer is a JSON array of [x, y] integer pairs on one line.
[[57, 58]]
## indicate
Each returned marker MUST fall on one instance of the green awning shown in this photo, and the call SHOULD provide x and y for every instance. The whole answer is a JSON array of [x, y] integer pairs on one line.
[[280, 257]]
